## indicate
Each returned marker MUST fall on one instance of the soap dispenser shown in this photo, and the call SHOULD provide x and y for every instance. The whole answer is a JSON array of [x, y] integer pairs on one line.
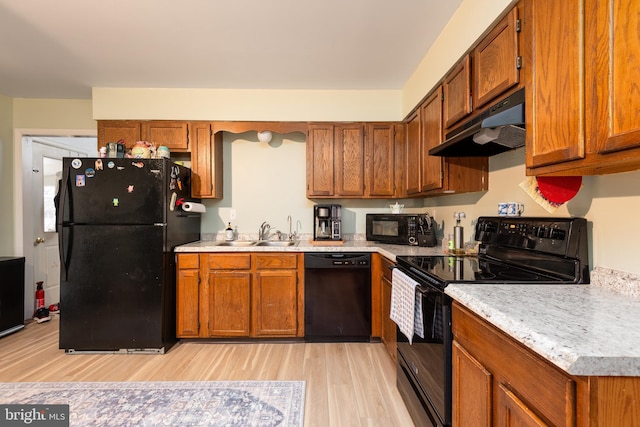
[[228, 233]]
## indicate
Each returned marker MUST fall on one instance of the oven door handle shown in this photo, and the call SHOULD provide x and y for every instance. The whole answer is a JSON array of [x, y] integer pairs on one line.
[[424, 286]]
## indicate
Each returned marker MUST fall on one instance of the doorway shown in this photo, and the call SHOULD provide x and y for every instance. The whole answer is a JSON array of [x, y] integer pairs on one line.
[[41, 170]]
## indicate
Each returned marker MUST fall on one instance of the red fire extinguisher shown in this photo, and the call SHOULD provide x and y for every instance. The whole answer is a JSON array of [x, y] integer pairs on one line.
[[39, 296]]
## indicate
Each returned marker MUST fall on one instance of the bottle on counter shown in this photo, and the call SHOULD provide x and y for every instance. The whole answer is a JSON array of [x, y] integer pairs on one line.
[[228, 233]]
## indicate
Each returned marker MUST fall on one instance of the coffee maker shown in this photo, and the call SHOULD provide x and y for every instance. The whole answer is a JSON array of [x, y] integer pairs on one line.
[[327, 224]]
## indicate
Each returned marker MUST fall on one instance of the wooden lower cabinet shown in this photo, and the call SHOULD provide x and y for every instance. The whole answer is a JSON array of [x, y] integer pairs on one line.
[[497, 381], [277, 298], [240, 294], [382, 275], [188, 296], [229, 303]]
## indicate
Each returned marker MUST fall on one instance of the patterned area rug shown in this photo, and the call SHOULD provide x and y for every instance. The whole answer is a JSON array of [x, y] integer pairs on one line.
[[170, 403]]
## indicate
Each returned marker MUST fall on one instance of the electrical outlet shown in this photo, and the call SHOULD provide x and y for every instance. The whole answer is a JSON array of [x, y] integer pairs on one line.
[[232, 214]]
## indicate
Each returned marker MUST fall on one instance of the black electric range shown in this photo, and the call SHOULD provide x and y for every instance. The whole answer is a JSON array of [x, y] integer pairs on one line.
[[512, 250]]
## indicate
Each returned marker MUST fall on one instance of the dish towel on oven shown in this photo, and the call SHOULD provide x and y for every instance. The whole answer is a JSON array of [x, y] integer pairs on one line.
[[406, 305]]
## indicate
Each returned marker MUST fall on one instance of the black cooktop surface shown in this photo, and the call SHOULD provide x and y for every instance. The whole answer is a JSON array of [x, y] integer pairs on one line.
[[472, 269]]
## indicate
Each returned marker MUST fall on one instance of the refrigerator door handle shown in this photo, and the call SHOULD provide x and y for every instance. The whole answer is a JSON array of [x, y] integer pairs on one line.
[[61, 229], [63, 253]]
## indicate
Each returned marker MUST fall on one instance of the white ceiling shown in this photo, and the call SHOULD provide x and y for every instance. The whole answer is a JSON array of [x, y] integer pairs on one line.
[[63, 48]]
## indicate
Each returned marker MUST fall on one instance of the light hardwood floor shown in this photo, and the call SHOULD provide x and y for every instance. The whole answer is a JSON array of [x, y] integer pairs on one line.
[[348, 384]]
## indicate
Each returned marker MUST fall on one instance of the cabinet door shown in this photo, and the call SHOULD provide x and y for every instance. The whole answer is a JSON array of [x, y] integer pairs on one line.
[[495, 61], [617, 72], [188, 296], [229, 303], [511, 411], [457, 92], [431, 174], [412, 154], [380, 159], [320, 161], [115, 130], [275, 303], [388, 334], [349, 159], [206, 161], [471, 390], [555, 113], [171, 134]]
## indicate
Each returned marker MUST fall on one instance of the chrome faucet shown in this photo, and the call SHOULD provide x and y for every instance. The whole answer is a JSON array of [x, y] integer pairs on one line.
[[263, 231], [293, 235]]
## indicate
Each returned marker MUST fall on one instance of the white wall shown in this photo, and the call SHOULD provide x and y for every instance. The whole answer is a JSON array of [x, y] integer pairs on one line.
[[469, 22], [6, 174], [608, 202]]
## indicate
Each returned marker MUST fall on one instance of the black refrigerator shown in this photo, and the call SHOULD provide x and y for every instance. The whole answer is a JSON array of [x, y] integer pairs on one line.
[[119, 221]]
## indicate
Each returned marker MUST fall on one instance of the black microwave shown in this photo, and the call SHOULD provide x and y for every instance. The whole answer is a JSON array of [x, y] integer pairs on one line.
[[399, 229]]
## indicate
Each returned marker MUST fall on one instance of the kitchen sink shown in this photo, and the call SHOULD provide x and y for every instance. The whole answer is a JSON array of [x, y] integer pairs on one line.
[[247, 243], [237, 243], [277, 243]]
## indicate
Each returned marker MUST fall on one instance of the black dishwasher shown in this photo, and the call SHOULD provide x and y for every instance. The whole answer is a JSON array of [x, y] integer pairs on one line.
[[337, 297]]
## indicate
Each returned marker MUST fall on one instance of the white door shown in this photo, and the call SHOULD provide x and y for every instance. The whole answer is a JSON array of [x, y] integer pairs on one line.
[[46, 170]]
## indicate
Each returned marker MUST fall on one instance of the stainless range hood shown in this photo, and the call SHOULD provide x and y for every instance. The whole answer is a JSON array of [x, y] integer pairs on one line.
[[497, 129]]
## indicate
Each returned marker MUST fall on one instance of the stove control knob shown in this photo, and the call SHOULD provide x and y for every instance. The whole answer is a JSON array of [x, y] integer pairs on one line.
[[543, 231], [557, 234]]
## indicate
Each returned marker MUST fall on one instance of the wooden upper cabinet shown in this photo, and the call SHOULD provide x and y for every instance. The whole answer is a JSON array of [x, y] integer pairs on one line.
[[457, 92], [555, 113], [115, 130], [349, 159], [206, 161], [171, 134], [495, 61], [413, 154], [320, 162], [354, 160], [431, 174], [615, 62], [381, 168]]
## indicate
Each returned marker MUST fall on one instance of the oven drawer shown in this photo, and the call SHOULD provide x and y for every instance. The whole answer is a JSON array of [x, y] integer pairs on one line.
[[413, 397]]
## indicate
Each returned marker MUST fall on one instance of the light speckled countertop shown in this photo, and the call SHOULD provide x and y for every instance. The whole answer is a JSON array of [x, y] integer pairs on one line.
[[585, 330], [304, 245]]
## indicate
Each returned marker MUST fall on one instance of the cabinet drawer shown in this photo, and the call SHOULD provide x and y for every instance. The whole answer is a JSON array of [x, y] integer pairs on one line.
[[276, 261], [230, 261], [188, 261]]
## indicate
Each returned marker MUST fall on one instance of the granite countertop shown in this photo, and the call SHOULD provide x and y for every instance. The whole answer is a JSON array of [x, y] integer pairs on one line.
[[305, 245], [585, 330]]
